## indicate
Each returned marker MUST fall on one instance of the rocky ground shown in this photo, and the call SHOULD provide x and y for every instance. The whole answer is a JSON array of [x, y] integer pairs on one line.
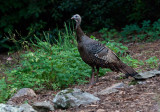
[[141, 97]]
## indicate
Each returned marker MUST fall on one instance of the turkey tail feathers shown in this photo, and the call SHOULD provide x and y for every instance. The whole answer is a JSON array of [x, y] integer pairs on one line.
[[127, 70]]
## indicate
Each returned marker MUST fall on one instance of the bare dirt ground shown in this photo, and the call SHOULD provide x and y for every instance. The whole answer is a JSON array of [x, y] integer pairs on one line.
[[144, 97]]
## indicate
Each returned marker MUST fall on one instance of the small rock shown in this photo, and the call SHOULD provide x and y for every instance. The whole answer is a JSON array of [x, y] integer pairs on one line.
[[119, 85], [131, 86], [141, 82], [101, 110], [146, 75], [25, 91], [9, 59], [73, 98], [44, 106], [22, 92], [26, 108], [117, 111], [21, 108], [112, 89], [9, 108]]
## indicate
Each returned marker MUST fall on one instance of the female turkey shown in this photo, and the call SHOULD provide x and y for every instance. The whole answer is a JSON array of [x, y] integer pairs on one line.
[[98, 55]]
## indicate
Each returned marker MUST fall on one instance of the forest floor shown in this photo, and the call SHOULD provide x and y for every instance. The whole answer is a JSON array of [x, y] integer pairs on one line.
[[144, 97]]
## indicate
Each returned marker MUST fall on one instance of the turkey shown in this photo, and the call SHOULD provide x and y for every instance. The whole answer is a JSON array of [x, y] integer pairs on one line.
[[98, 55]]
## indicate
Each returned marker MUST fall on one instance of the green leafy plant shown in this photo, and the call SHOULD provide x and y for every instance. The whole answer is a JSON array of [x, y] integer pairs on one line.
[[109, 34], [118, 48], [6, 89], [146, 25], [156, 25], [50, 64], [152, 62], [133, 32]]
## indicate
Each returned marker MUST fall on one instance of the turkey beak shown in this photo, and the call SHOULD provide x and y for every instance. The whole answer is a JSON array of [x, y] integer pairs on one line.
[[72, 17]]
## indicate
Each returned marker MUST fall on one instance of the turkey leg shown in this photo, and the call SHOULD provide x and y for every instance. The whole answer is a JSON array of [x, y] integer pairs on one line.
[[97, 74], [92, 77]]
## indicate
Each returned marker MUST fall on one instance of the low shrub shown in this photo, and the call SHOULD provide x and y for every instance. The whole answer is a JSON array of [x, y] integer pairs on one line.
[[133, 32]]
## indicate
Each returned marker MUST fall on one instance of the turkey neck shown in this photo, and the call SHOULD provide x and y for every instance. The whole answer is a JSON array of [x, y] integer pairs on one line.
[[80, 34]]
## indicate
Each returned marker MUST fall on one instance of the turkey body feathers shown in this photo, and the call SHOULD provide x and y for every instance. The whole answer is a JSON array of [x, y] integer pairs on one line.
[[98, 55]]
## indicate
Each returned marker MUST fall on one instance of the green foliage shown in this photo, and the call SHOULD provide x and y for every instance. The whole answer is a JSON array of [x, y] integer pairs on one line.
[[118, 48], [50, 67], [17, 43], [109, 34], [156, 25], [130, 30], [147, 32], [3, 90], [152, 62], [6, 88], [132, 62], [146, 26]]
